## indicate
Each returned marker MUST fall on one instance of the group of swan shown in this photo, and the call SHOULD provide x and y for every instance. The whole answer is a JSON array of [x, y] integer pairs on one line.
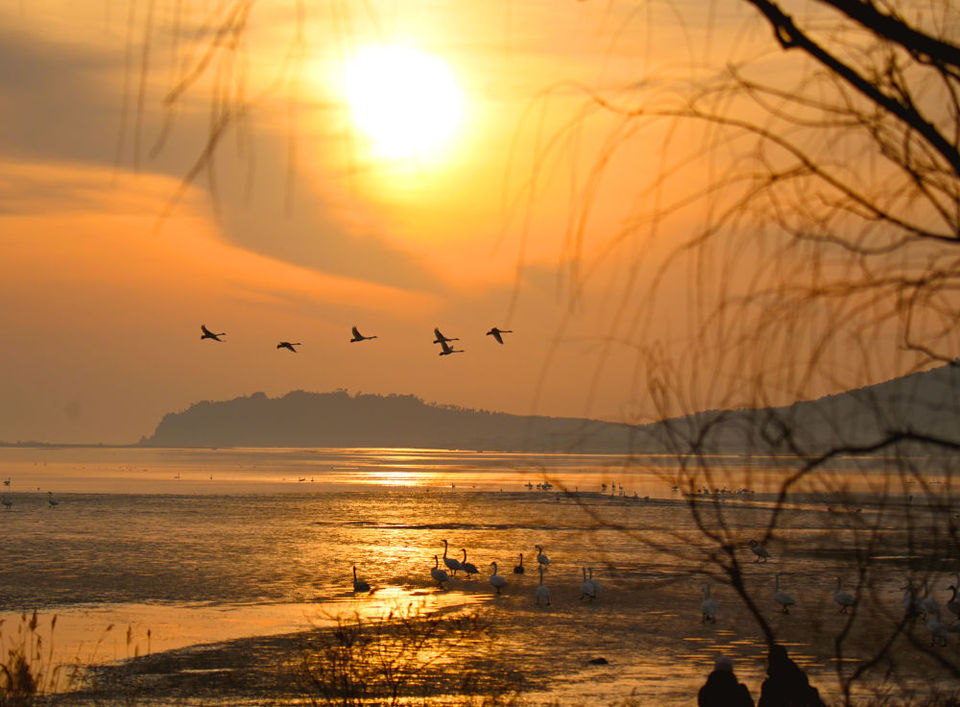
[[497, 581], [445, 348]]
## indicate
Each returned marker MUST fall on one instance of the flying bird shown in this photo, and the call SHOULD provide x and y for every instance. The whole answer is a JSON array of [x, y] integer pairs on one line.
[[495, 333], [357, 336], [448, 349], [207, 334], [440, 338], [288, 345]]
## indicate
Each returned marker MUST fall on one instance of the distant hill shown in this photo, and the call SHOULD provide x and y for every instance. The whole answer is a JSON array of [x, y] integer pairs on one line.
[[926, 403], [338, 419]]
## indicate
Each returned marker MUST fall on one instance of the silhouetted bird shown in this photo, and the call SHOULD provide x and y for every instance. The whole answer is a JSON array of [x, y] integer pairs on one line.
[[357, 336], [448, 349], [440, 576], [468, 567], [519, 568], [495, 333], [760, 551], [6, 481], [6, 503], [207, 334], [708, 607], [440, 338], [452, 563], [846, 600], [288, 345], [722, 689], [51, 500], [782, 598], [358, 584]]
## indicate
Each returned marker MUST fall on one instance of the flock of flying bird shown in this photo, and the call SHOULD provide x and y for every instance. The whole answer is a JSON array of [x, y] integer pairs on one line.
[[445, 347]]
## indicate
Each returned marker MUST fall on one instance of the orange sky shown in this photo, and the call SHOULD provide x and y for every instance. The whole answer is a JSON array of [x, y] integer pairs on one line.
[[305, 232]]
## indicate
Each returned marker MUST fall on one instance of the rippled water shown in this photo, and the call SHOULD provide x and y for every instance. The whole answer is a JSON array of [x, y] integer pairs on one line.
[[207, 545]]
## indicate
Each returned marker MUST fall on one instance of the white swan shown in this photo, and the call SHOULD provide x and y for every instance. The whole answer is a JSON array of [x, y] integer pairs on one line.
[[594, 582], [541, 558], [358, 584], [468, 567], [439, 576], [760, 551], [782, 598], [708, 607], [846, 600], [452, 564], [496, 580], [587, 588], [543, 591]]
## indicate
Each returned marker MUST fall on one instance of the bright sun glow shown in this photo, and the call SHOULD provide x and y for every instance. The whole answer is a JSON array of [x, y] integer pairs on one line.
[[405, 102]]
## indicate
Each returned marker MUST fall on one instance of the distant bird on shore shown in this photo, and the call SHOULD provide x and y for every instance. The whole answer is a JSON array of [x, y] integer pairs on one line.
[[357, 336], [782, 598], [846, 600], [587, 588], [439, 576], [496, 580], [708, 607], [51, 500], [543, 591], [519, 568], [358, 584], [541, 558], [468, 567], [207, 334], [6, 502], [594, 582], [760, 551], [448, 349], [287, 345], [440, 338], [496, 334], [452, 564]]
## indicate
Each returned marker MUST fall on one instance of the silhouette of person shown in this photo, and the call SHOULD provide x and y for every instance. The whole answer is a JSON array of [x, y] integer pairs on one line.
[[786, 684], [722, 688]]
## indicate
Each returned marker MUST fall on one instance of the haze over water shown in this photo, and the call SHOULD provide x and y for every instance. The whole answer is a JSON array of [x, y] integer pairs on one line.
[[200, 546]]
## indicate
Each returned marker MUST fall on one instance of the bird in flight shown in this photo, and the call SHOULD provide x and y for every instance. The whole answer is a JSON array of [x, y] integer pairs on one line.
[[440, 338], [357, 336], [288, 345], [447, 348], [495, 333], [207, 334]]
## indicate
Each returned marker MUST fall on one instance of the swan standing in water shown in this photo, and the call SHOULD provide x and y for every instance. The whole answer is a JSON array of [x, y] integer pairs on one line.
[[846, 600], [439, 576], [6, 502], [587, 588], [594, 582], [358, 584], [708, 607], [496, 580], [468, 567], [543, 591], [51, 500], [519, 568], [782, 598], [953, 604], [452, 564], [760, 551], [541, 558]]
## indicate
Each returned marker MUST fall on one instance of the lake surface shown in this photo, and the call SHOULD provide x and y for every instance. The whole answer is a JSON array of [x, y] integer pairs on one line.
[[203, 546]]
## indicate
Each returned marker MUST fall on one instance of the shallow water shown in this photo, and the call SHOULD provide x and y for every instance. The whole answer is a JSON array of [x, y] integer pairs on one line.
[[202, 546]]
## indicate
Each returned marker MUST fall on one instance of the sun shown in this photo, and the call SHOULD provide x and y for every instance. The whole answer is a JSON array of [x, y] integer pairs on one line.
[[404, 101]]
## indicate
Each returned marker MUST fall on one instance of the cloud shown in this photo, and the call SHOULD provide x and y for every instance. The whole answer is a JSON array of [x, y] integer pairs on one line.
[[62, 103]]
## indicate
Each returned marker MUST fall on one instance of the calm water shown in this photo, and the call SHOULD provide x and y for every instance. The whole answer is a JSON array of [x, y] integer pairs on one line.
[[198, 546]]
